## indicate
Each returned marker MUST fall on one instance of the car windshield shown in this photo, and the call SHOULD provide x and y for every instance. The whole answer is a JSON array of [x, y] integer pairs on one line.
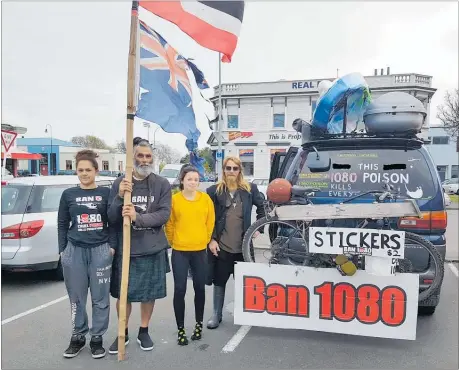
[[14, 198], [168, 172], [356, 171]]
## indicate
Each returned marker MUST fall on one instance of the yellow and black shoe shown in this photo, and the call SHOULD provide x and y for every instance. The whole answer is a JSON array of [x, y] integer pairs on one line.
[[197, 333], [182, 340]]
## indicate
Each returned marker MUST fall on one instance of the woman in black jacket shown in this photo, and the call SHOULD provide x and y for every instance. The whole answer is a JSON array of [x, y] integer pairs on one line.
[[233, 199]]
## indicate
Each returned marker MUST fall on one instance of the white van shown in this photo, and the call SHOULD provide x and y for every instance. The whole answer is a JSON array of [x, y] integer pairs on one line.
[[171, 172]]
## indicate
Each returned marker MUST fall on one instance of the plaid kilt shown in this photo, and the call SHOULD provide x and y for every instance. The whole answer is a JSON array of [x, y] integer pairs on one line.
[[147, 277]]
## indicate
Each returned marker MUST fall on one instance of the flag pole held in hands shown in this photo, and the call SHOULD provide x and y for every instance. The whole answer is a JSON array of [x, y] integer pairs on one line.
[[129, 168]]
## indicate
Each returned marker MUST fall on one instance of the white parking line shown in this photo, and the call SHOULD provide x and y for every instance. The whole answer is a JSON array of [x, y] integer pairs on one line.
[[18, 316], [236, 339], [453, 269]]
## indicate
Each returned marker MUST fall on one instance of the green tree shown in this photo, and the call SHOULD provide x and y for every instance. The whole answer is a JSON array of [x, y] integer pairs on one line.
[[205, 153]]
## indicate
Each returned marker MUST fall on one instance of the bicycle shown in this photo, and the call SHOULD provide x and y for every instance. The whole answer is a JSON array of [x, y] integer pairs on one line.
[[293, 247]]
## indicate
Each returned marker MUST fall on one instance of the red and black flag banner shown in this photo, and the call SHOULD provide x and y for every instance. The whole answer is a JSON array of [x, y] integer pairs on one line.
[[213, 24]]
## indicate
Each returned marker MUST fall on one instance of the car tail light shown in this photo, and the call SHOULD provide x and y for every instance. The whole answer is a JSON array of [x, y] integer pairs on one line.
[[429, 220], [23, 230], [4, 183]]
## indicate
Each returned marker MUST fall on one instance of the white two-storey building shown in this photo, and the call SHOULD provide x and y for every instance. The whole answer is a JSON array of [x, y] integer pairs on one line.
[[257, 117]]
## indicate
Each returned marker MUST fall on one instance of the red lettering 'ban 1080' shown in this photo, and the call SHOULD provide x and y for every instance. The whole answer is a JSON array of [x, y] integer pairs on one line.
[[343, 302]]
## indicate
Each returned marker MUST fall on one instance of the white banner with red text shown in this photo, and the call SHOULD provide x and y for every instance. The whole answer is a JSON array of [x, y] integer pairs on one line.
[[297, 297]]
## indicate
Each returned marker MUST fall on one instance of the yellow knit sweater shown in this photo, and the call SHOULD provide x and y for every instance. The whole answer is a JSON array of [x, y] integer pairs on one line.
[[191, 222]]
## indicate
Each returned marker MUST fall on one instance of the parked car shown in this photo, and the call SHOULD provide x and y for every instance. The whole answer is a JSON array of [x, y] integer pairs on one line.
[[8, 175], [171, 172], [29, 221], [451, 186], [447, 200], [361, 164]]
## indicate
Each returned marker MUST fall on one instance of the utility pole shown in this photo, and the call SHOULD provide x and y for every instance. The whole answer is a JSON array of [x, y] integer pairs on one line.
[[219, 122]]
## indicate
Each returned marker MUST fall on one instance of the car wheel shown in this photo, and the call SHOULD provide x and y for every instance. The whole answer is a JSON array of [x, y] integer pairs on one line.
[[426, 310], [457, 192], [59, 272]]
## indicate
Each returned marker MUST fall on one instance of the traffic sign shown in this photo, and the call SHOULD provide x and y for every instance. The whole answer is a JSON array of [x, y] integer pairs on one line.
[[8, 139], [219, 154]]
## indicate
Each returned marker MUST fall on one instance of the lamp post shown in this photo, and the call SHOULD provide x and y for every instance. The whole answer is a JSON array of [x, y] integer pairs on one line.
[[51, 151], [147, 125]]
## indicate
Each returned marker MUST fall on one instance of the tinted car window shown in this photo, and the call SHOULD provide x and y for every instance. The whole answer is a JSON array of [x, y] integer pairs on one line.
[[355, 171], [14, 199], [46, 198]]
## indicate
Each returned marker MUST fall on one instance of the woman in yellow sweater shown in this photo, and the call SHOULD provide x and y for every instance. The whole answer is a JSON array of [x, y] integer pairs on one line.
[[189, 230]]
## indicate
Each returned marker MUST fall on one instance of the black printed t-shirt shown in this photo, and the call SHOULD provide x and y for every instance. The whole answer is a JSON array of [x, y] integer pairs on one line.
[[82, 218], [142, 238]]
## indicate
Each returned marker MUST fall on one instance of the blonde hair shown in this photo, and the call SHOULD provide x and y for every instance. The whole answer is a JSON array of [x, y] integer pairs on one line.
[[241, 182]]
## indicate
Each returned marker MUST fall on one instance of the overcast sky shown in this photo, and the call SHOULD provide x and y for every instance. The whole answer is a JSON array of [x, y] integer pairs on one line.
[[65, 63]]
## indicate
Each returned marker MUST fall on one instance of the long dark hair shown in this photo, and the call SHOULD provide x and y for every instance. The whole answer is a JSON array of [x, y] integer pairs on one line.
[[187, 168]]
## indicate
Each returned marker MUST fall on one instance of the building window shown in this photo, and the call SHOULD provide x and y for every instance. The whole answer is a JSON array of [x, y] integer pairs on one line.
[[442, 172], [246, 157], [120, 166], [68, 165], [105, 165], [440, 140], [279, 120], [454, 171], [233, 121]]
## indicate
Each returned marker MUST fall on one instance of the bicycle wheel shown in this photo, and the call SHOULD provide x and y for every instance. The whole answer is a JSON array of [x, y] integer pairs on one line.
[[247, 245], [435, 259]]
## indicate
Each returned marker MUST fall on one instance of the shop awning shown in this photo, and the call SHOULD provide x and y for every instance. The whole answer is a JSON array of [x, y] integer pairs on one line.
[[22, 155]]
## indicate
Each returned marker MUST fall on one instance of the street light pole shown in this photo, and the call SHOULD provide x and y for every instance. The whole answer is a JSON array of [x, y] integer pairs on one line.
[[154, 147], [51, 151], [147, 125]]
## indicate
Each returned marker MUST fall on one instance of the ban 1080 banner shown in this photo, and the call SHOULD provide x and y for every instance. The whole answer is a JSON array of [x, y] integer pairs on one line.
[[293, 297]]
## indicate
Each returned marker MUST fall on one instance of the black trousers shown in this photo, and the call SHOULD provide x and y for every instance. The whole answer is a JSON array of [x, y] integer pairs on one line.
[[221, 267], [181, 263]]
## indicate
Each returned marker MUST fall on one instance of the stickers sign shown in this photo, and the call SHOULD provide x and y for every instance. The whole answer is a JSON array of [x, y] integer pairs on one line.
[[297, 297], [369, 242]]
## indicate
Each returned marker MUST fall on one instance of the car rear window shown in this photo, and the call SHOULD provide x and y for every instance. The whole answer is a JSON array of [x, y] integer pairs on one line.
[[14, 198], [46, 198], [356, 171]]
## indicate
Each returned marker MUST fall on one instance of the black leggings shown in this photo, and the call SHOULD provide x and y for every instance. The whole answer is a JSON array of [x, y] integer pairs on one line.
[[181, 262]]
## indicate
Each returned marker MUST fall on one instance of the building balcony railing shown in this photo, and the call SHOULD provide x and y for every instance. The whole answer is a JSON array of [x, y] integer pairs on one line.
[[377, 81]]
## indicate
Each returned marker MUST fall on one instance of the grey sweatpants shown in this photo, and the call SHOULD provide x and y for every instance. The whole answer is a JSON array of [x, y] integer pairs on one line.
[[88, 268]]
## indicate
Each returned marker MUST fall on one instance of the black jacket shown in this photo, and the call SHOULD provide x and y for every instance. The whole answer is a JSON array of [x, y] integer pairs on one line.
[[254, 198], [154, 239]]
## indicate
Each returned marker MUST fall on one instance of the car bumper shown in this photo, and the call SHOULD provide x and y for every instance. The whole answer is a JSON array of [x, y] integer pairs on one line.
[[30, 267]]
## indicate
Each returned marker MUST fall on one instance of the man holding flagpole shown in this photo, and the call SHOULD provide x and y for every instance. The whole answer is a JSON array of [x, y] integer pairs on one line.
[[149, 211]]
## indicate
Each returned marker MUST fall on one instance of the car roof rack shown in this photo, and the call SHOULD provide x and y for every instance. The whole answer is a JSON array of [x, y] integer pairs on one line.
[[313, 136]]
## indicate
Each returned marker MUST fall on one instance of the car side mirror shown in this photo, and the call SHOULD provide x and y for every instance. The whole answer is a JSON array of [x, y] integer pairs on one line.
[[318, 162]]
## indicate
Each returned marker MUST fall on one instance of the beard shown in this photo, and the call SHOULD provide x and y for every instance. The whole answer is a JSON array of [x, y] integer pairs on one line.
[[143, 170], [231, 183]]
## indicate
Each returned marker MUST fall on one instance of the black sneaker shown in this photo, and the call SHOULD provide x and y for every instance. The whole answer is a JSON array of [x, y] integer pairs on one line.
[[145, 341], [113, 350], [97, 349], [77, 343]]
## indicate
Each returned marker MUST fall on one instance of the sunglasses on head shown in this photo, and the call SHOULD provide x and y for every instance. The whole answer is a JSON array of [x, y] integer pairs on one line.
[[230, 168]]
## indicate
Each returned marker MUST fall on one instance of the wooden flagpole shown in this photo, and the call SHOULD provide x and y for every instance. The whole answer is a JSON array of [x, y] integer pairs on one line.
[[131, 103]]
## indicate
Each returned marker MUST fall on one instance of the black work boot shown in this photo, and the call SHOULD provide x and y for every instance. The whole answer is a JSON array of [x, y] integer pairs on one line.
[[219, 299]]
